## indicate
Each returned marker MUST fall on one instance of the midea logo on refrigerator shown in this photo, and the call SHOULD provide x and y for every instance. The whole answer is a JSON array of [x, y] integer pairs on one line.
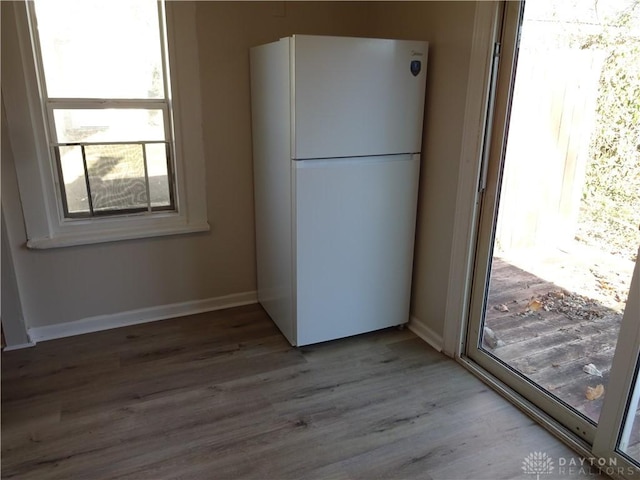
[[416, 65]]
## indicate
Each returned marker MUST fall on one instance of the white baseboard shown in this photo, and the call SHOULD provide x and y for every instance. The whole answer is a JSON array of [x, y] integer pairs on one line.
[[20, 346], [142, 315], [425, 333]]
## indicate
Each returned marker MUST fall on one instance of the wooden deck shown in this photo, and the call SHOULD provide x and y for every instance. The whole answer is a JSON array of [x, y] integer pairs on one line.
[[550, 334]]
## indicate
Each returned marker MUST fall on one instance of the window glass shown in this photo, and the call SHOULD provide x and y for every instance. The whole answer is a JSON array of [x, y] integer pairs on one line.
[[116, 177], [75, 185], [108, 125], [159, 191], [92, 50]]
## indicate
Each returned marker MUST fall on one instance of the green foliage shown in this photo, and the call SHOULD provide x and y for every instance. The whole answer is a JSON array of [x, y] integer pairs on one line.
[[611, 207]]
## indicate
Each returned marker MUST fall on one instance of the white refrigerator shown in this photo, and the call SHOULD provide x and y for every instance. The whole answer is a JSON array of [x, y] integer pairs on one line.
[[337, 134]]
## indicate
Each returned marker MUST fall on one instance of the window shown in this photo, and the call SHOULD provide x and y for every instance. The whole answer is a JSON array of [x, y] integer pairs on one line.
[[106, 104], [117, 157]]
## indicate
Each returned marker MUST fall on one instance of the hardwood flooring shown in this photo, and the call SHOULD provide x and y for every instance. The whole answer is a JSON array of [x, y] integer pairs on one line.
[[223, 396]]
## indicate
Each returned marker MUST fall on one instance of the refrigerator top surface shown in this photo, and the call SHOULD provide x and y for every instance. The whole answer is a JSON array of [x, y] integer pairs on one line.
[[356, 96]]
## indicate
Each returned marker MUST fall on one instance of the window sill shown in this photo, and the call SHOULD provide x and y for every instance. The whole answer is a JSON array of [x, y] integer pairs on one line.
[[112, 235]]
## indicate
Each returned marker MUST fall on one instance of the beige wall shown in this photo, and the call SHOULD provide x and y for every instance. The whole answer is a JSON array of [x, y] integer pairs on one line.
[[11, 309], [62, 285], [226, 31], [448, 27], [67, 284]]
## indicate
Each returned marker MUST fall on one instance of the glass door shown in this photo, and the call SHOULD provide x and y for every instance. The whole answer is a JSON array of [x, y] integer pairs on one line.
[[558, 226], [618, 433], [629, 441]]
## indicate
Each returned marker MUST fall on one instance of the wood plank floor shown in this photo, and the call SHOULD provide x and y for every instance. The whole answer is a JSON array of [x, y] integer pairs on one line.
[[223, 396]]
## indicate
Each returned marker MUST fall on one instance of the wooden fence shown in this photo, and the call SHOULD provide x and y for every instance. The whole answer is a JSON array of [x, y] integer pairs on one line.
[[552, 118]]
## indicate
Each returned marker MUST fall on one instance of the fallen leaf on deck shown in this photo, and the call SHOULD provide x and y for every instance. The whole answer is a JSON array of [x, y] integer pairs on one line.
[[593, 393], [534, 305]]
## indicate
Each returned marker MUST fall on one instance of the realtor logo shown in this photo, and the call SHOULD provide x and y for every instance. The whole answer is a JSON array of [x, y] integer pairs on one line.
[[537, 463]]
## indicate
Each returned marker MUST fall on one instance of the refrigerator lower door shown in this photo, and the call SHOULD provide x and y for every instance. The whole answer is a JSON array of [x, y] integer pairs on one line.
[[354, 235]]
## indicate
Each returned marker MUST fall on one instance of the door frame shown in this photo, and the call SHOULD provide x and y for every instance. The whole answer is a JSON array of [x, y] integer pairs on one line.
[[487, 31], [490, 186], [477, 137], [624, 381]]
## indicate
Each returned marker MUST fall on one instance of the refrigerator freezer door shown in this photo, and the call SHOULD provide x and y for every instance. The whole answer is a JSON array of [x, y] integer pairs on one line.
[[357, 96], [354, 224]]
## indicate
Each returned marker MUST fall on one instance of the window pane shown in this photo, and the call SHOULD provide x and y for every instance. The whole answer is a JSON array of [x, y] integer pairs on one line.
[[75, 185], [108, 125], [158, 174], [116, 177], [92, 50]]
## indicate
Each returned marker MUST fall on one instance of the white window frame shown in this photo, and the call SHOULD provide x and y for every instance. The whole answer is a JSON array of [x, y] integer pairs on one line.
[[45, 223]]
